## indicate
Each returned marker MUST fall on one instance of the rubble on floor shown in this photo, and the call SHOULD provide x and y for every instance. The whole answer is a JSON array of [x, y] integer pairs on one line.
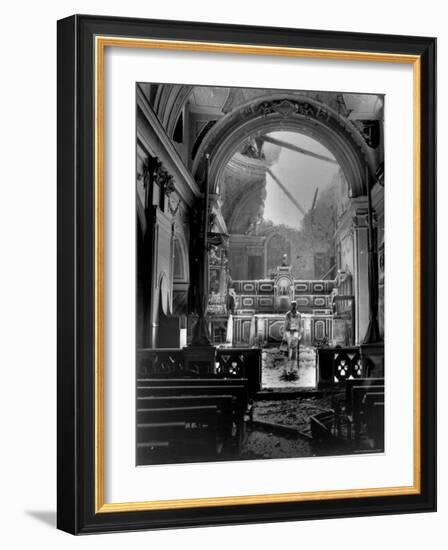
[[265, 444], [281, 428], [291, 412]]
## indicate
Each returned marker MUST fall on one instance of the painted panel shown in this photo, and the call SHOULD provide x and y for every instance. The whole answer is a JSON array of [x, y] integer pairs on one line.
[[302, 287], [275, 330], [265, 288]]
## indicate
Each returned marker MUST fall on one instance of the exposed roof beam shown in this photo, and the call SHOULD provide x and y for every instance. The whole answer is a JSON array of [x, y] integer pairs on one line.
[[313, 205], [287, 193], [297, 149]]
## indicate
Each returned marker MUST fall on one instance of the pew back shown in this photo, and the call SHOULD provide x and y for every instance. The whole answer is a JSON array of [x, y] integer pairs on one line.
[[189, 416]]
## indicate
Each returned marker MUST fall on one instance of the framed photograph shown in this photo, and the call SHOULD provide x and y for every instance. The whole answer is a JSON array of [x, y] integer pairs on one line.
[[246, 274]]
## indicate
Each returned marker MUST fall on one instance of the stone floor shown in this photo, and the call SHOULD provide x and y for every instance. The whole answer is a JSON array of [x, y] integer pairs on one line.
[[278, 372], [264, 444], [294, 412], [281, 429]]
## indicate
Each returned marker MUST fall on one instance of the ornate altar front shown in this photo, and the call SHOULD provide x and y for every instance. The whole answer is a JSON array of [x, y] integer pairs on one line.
[[283, 289], [248, 313]]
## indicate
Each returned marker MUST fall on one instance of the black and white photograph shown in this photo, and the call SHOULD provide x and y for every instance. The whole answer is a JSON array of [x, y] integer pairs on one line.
[[260, 273]]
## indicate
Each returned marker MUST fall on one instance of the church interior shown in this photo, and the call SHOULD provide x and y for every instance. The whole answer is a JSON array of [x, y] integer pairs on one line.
[[249, 201]]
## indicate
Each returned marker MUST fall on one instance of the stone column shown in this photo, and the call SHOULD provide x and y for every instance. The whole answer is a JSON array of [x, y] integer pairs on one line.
[[360, 275], [372, 348], [373, 333], [200, 287]]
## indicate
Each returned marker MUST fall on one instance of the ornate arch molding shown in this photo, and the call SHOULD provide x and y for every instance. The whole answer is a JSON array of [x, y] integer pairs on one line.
[[291, 112]]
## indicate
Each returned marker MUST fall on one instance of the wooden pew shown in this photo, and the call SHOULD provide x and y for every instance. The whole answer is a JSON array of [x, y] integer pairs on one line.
[[144, 382], [153, 452], [225, 403], [181, 431], [360, 382], [184, 431], [164, 363], [374, 418], [360, 405], [373, 397], [191, 415], [238, 391], [356, 404], [167, 414], [197, 386]]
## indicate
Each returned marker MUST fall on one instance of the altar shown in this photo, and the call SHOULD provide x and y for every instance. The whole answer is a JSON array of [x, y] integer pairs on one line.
[[266, 329], [258, 308]]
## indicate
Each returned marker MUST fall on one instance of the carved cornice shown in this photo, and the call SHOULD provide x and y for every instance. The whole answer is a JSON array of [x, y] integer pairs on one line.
[[163, 178], [156, 141], [360, 220], [287, 108]]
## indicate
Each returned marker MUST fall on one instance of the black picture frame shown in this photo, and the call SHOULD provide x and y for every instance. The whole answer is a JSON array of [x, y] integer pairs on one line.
[[76, 512]]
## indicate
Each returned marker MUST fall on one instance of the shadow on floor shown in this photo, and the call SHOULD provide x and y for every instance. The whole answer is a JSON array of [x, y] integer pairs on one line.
[[48, 517]]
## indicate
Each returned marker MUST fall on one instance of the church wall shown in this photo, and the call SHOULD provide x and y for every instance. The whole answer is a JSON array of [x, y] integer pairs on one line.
[[361, 283], [352, 257], [165, 196], [378, 205], [333, 235], [242, 250], [345, 257]]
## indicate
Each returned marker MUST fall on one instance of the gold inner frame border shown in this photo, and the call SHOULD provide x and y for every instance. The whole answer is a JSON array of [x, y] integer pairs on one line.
[[100, 44]]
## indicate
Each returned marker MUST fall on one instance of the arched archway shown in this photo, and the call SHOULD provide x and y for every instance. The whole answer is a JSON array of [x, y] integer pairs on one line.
[[287, 112], [168, 103]]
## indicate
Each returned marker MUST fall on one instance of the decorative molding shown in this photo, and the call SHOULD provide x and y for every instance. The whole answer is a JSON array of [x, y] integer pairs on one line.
[[288, 107], [152, 134], [287, 111], [163, 178]]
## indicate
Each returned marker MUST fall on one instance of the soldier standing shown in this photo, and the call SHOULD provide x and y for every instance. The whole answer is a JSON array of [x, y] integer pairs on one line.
[[293, 330]]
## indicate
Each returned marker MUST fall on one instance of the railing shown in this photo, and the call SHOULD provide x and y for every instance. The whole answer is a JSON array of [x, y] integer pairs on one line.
[[160, 362], [336, 365], [230, 363], [241, 363]]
